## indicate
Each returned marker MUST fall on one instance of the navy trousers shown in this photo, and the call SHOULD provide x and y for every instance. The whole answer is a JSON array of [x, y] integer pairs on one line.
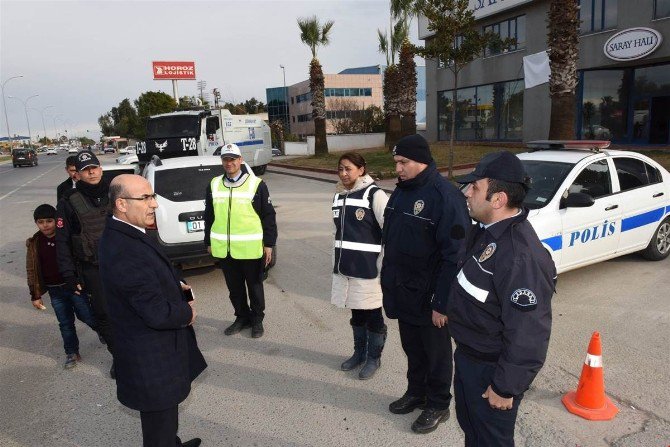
[[159, 428], [482, 425]]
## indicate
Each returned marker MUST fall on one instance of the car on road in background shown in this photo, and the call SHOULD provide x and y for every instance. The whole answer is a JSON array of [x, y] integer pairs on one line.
[[24, 157], [276, 152], [127, 150], [127, 159], [73, 150], [109, 149], [589, 204], [52, 151]]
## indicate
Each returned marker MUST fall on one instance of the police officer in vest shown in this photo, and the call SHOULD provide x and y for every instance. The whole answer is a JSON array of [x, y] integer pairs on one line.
[[81, 216], [241, 230], [500, 305], [424, 226]]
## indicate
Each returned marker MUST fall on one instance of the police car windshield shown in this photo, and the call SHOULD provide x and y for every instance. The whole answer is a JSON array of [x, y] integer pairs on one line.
[[546, 178], [185, 184], [173, 126]]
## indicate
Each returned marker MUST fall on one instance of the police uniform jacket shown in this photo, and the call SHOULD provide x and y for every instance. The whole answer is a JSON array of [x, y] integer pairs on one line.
[[261, 203], [500, 305], [68, 225], [424, 226], [358, 215], [62, 188], [156, 355]]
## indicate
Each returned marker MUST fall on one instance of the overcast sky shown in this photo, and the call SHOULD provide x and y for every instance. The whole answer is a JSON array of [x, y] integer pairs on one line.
[[84, 57]]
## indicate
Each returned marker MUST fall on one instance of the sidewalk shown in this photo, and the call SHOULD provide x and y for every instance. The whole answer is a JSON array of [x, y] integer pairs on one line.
[[330, 176]]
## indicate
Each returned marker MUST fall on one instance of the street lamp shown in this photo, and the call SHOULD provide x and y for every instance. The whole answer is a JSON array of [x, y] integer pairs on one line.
[[4, 104], [25, 108], [286, 117], [44, 128]]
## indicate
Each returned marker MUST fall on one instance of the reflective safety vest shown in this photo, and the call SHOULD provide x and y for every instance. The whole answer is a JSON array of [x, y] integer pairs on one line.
[[237, 230], [358, 237]]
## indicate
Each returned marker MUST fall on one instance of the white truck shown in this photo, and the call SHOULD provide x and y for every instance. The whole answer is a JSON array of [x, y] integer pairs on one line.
[[201, 132]]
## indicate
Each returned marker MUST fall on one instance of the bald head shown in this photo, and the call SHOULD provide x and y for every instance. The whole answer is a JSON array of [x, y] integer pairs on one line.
[[133, 200]]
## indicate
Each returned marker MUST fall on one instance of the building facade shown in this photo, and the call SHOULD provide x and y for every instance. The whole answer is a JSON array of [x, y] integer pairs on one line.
[[624, 75]]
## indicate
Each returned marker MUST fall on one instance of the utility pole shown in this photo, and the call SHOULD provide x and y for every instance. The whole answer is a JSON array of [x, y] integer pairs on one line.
[[4, 104], [201, 87]]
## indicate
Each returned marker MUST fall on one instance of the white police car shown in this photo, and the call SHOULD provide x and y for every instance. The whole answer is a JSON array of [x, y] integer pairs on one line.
[[180, 185], [588, 204]]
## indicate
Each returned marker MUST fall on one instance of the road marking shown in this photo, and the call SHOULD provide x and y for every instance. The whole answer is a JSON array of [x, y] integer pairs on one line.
[[28, 182]]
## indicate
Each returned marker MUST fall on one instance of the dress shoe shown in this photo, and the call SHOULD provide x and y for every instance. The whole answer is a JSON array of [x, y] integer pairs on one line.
[[112, 372], [407, 404], [237, 326], [195, 442], [257, 330], [429, 419], [70, 361]]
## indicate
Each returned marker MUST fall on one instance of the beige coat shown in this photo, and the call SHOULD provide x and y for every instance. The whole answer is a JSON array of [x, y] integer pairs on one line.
[[356, 293]]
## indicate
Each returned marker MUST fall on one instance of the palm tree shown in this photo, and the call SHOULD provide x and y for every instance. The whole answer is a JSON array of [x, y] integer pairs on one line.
[[392, 87], [313, 34], [404, 11], [563, 40]]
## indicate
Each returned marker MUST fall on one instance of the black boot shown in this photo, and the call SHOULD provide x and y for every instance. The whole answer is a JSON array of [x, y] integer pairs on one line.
[[376, 342], [360, 349]]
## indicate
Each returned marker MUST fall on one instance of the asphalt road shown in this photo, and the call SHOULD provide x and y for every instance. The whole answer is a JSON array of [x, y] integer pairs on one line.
[[286, 388]]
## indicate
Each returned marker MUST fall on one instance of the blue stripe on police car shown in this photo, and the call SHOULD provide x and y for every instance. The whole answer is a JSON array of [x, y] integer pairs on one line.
[[640, 220]]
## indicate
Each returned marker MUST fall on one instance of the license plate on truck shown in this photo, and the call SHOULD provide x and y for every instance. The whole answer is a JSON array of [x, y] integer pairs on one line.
[[195, 226]]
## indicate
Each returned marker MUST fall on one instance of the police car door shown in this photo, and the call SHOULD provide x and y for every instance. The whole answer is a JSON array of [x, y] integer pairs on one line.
[[591, 233], [642, 201]]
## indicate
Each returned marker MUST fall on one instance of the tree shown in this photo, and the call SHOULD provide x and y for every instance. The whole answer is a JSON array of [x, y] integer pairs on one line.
[[253, 106], [106, 124], [389, 45], [314, 34], [563, 40], [456, 42]]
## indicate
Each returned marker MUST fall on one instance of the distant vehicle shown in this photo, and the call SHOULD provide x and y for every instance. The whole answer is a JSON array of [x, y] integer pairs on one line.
[[276, 152], [201, 132], [52, 151], [127, 150], [127, 159], [109, 149], [24, 157], [589, 204], [73, 150]]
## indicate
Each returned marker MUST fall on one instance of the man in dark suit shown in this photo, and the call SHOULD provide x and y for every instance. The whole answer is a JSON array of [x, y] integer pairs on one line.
[[70, 182], [157, 356]]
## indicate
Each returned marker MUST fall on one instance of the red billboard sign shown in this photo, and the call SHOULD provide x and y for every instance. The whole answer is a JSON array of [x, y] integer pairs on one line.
[[174, 70]]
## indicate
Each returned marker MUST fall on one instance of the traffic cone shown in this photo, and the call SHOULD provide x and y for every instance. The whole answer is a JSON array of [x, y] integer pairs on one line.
[[590, 401]]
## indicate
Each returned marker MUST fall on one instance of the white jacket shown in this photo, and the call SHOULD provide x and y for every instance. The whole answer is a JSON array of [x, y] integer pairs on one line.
[[356, 293]]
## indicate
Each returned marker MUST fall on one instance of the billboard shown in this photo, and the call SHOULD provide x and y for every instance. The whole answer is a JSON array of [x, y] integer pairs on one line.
[[174, 70]]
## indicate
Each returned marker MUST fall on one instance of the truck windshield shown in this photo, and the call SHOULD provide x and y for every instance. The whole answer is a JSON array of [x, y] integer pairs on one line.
[[173, 126]]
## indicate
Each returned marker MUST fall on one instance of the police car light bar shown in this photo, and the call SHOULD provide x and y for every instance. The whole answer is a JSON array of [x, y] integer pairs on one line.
[[590, 145]]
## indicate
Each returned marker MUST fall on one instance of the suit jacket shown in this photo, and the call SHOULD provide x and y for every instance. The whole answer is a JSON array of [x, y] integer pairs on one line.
[[156, 355], [64, 186]]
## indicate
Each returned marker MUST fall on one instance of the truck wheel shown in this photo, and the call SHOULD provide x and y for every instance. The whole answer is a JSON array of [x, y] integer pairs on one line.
[[259, 170], [659, 246]]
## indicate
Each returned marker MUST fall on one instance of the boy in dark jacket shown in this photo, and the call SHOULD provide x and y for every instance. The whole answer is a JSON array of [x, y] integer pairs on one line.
[[43, 276]]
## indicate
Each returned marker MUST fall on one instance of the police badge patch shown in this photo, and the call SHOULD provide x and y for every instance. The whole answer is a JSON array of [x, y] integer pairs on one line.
[[524, 299], [360, 213], [418, 206], [488, 252]]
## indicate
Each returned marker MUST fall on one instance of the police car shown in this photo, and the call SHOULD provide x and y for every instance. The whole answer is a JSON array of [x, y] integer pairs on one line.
[[588, 203], [180, 185]]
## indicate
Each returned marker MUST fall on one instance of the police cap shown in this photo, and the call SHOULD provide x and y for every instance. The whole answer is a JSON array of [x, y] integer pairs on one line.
[[502, 165]]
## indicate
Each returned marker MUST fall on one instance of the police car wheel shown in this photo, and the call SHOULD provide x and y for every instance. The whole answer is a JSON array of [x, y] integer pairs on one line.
[[659, 246]]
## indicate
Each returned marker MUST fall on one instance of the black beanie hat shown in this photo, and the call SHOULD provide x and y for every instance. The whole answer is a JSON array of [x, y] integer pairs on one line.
[[44, 211], [415, 147]]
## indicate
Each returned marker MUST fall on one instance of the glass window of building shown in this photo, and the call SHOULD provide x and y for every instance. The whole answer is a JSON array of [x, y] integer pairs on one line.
[[661, 9], [487, 112], [604, 105], [514, 28], [597, 15]]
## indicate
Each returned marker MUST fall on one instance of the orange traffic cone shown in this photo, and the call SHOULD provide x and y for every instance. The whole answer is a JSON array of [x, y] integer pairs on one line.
[[589, 401]]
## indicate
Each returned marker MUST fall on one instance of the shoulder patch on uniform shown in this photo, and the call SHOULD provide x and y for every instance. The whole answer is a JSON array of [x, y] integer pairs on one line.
[[488, 252], [524, 299], [418, 206], [59, 222]]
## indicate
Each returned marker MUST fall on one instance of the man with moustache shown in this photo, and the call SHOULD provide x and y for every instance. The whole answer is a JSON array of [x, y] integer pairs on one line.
[[157, 355], [80, 219]]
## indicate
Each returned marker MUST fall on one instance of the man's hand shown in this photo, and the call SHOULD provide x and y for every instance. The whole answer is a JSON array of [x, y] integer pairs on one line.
[[38, 304], [439, 320], [191, 303], [268, 255], [72, 284], [497, 402], [184, 286]]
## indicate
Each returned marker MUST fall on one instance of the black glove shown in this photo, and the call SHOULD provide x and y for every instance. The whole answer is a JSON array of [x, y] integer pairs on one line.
[[71, 283]]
